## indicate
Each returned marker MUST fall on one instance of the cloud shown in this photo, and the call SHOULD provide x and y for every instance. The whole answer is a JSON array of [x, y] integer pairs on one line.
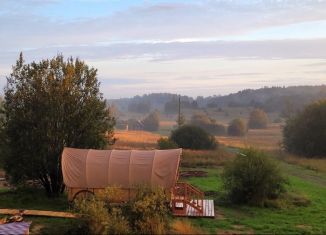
[[172, 41], [22, 28], [265, 49]]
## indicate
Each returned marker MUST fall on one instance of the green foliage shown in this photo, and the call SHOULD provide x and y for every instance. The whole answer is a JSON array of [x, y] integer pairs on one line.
[[150, 211], [305, 134], [258, 119], [152, 122], [147, 213], [252, 178], [101, 218], [166, 143], [193, 137], [49, 105], [237, 127], [208, 124]]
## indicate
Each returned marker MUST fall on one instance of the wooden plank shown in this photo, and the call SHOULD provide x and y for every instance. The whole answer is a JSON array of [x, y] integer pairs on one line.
[[38, 213]]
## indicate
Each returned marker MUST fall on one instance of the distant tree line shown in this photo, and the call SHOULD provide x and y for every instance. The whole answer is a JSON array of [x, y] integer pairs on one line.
[[284, 100]]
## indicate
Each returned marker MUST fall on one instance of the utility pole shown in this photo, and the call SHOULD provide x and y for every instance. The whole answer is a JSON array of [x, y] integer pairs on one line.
[[179, 117]]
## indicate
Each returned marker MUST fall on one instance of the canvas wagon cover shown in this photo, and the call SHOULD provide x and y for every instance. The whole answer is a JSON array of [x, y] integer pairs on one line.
[[89, 168]]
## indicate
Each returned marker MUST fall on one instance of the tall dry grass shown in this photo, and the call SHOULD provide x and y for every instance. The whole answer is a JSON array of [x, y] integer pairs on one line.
[[135, 140], [317, 164], [185, 227], [205, 158], [264, 139], [190, 158]]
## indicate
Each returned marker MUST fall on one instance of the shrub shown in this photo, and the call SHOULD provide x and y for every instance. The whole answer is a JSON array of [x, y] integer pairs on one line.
[[258, 119], [152, 122], [237, 127], [166, 143], [101, 218], [304, 134], [193, 137], [253, 178], [149, 211]]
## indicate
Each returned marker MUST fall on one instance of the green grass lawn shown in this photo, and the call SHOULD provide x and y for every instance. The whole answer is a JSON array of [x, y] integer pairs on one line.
[[28, 198], [31, 198], [310, 219]]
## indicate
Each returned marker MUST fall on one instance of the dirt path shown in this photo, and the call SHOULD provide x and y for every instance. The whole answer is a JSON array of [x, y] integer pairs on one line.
[[305, 174]]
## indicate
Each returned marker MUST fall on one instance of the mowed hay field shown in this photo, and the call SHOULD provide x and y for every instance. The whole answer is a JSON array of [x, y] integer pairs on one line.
[[135, 140], [266, 139]]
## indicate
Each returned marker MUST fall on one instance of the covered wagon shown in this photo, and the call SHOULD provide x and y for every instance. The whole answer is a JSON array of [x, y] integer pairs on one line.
[[88, 171]]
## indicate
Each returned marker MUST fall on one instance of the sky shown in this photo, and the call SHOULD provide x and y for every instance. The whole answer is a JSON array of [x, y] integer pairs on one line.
[[195, 48]]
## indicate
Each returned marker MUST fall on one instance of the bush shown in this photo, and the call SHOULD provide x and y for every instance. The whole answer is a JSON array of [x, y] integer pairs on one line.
[[165, 143], [304, 134], [101, 217], [193, 137], [252, 178], [258, 119], [152, 122], [237, 127], [149, 211]]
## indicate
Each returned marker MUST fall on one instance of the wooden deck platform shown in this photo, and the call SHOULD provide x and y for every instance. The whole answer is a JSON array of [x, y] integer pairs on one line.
[[208, 210]]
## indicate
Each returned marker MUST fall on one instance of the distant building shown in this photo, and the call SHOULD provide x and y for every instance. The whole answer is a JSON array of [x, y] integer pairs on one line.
[[130, 124]]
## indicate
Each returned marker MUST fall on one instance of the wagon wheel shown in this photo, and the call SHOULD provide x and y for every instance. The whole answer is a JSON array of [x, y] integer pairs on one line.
[[83, 195]]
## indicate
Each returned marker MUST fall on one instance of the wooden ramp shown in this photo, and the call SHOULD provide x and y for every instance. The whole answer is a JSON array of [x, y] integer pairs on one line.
[[38, 213], [208, 210]]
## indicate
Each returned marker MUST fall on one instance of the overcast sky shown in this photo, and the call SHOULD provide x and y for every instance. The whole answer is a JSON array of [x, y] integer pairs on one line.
[[189, 47]]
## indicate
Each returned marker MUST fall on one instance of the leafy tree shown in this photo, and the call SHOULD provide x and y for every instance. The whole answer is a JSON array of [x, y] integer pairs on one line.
[[304, 133], [258, 119], [237, 127], [193, 137], [49, 105], [152, 122], [208, 124]]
